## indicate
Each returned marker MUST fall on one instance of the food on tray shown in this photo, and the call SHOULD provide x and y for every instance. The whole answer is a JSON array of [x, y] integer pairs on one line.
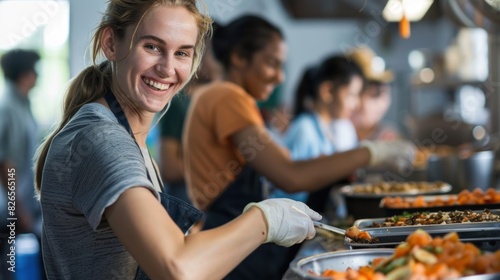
[[465, 197], [397, 187], [438, 218], [424, 257], [422, 154], [360, 236]]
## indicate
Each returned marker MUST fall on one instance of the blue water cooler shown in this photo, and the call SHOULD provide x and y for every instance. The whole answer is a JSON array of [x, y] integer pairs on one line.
[[28, 265]]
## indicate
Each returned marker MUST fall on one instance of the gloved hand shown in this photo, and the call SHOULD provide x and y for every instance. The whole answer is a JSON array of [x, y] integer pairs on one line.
[[289, 221], [395, 154]]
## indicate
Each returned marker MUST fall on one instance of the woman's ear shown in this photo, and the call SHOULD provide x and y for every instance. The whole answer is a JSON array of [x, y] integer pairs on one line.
[[236, 60], [108, 44], [326, 92]]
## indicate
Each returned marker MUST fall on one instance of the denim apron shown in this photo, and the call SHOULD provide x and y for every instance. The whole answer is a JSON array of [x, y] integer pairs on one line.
[[269, 261], [181, 212]]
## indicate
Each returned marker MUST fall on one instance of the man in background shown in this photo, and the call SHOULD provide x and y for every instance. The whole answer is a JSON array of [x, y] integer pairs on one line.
[[18, 140]]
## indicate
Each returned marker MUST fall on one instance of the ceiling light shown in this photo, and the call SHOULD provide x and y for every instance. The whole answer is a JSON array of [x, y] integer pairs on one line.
[[413, 9]]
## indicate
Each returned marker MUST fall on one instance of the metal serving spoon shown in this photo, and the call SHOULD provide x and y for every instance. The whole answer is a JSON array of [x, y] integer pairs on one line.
[[353, 233], [329, 228]]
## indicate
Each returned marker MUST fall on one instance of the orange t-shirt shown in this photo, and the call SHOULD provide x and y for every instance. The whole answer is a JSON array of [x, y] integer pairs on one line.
[[211, 160]]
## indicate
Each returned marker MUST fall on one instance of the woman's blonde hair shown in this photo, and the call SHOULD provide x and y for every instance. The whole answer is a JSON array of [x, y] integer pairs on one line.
[[94, 81]]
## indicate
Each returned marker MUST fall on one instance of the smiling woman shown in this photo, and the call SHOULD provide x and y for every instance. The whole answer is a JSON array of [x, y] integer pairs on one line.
[[99, 188], [149, 71]]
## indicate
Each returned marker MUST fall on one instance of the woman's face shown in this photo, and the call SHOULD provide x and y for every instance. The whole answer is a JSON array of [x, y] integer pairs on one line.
[[346, 99], [374, 103], [160, 60], [264, 71]]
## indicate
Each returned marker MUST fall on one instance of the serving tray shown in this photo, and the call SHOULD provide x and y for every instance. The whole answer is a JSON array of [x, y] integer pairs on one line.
[[341, 260], [485, 235], [349, 190], [366, 205], [391, 211]]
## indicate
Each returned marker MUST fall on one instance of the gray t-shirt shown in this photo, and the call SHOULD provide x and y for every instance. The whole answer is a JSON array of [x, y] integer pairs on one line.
[[90, 163]]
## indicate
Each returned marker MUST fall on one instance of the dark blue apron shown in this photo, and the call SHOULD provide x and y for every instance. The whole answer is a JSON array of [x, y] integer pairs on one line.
[[269, 261], [181, 212]]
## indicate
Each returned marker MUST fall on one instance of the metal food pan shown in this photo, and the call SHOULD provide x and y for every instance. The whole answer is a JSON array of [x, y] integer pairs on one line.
[[349, 191], [391, 211], [339, 260], [365, 224], [494, 276], [365, 205], [486, 239]]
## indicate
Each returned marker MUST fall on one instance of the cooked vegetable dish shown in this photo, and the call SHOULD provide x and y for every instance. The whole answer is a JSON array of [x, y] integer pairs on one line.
[[422, 257], [452, 217], [465, 197], [397, 187]]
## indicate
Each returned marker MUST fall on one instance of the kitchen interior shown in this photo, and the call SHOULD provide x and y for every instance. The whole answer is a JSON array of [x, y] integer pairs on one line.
[[445, 93]]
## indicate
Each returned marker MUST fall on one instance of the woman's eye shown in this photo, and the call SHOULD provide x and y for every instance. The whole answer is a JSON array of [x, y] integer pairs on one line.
[[273, 63], [184, 54], [152, 47]]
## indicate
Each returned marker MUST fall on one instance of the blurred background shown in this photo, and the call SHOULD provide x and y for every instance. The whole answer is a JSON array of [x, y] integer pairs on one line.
[[446, 72]]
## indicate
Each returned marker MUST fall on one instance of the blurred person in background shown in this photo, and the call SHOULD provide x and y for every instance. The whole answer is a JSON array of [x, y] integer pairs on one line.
[[375, 98], [228, 150], [18, 140], [172, 124], [325, 100]]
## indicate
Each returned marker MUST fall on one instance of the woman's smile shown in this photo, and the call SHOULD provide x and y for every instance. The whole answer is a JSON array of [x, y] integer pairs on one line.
[[156, 85]]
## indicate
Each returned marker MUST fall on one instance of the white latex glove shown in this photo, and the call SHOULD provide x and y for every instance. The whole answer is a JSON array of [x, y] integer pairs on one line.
[[395, 154], [289, 221]]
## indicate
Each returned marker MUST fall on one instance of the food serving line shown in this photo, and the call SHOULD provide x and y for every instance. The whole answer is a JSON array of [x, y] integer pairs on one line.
[[473, 216]]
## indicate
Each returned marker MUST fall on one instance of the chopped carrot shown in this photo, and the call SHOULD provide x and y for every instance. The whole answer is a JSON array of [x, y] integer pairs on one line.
[[419, 238]]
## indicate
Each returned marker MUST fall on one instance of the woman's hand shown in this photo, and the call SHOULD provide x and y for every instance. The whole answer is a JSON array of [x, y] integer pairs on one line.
[[289, 221], [396, 154]]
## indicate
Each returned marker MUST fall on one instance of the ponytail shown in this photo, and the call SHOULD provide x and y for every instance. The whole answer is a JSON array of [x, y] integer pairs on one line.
[[90, 85], [305, 93]]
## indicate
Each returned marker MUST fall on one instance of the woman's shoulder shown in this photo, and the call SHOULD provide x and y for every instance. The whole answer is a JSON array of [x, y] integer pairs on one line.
[[304, 121], [94, 120], [303, 125], [223, 90], [94, 111]]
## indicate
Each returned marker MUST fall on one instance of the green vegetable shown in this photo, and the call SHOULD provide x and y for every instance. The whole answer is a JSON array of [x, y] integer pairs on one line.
[[393, 265]]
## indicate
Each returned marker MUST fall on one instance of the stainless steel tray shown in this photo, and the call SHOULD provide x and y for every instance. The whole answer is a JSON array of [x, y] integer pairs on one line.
[[339, 260], [348, 191], [366, 205], [494, 276], [390, 211], [365, 224], [484, 239], [485, 235]]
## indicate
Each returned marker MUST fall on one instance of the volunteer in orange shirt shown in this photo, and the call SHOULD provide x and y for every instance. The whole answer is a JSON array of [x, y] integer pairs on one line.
[[227, 147]]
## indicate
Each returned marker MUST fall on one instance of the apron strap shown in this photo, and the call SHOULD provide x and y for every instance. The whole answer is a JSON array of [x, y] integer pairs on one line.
[[181, 212]]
